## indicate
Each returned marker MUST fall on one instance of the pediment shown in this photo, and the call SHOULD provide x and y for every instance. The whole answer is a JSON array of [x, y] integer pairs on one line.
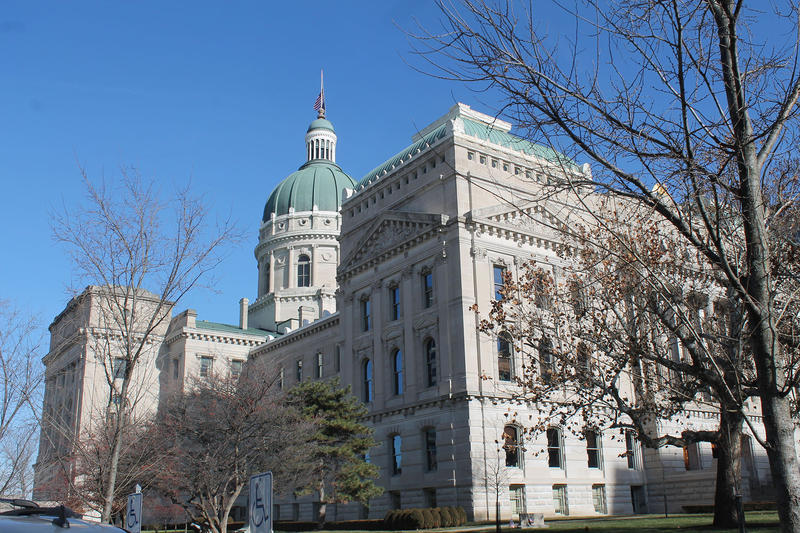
[[390, 231], [534, 218]]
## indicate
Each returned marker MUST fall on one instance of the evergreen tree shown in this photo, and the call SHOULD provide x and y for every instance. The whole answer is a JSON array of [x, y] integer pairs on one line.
[[341, 444]]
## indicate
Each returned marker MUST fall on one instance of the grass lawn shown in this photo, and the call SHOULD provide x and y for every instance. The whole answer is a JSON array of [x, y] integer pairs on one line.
[[757, 521]]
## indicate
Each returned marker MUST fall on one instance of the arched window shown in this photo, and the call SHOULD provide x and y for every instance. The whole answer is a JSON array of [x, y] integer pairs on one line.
[[511, 445], [430, 362], [397, 368], [303, 271], [367, 379], [397, 458], [505, 357]]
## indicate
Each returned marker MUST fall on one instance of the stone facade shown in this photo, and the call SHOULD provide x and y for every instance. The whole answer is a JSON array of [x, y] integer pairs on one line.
[[388, 308]]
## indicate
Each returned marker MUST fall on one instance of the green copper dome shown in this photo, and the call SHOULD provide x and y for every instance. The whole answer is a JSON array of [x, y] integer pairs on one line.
[[321, 124], [317, 183]]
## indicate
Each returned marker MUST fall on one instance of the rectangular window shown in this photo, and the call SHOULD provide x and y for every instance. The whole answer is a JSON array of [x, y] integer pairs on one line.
[[299, 371], [118, 367], [630, 450], [517, 493], [499, 275], [554, 455], [366, 321], [560, 504], [599, 498], [176, 368], [505, 360], [593, 449], [430, 497], [692, 460], [395, 500], [236, 369], [427, 290], [281, 377], [337, 358], [206, 366], [320, 365], [394, 295], [430, 450], [397, 459]]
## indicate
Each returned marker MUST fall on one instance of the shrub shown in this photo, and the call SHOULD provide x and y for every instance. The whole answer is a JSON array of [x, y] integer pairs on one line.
[[448, 520], [436, 515], [427, 519], [416, 519], [462, 515]]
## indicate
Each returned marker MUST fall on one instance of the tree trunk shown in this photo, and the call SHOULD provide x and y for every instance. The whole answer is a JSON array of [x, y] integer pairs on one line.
[[779, 429], [323, 507], [111, 481], [729, 469], [497, 510]]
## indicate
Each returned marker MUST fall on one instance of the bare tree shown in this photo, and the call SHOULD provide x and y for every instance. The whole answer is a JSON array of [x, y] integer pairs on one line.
[[142, 254], [495, 475], [221, 432], [21, 375], [683, 106]]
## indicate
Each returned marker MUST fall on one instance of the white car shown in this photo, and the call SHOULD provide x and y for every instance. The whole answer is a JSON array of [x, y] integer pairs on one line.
[[28, 517]]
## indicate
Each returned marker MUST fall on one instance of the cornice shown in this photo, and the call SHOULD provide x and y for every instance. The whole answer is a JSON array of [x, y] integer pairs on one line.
[[293, 336]]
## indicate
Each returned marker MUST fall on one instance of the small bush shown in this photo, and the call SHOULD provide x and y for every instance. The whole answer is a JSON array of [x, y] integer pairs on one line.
[[448, 520], [427, 519], [462, 515], [416, 519]]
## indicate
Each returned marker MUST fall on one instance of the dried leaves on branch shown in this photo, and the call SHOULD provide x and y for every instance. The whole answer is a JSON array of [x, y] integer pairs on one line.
[[688, 108]]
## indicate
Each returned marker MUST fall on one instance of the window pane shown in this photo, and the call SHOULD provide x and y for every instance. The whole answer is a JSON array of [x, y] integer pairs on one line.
[[554, 448], [430, 362], [505, 366], [498, 281], [511, 445], [367, 372], [592, 449], [398, 372], [427, 287], [430, 450], [397, 458], [303, 271]]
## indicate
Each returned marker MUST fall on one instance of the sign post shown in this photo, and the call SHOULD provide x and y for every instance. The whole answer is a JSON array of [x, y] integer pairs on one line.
[[133, 517], [260, 503]]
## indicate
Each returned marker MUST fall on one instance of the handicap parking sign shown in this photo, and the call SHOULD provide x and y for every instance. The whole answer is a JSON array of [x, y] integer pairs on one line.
[[133, 516], [260, 503]]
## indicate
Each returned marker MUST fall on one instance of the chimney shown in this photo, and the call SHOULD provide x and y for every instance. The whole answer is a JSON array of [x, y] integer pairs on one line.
[[243, 303]]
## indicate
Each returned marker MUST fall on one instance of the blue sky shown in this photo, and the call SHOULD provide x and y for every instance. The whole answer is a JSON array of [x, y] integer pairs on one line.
[[217, 92]]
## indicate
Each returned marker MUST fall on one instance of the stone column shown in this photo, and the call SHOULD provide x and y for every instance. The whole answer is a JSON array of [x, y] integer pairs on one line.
[[271, 287]]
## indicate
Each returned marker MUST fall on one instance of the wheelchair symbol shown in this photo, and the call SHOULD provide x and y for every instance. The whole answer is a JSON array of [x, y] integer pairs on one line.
[[132, 518], [258, 513]]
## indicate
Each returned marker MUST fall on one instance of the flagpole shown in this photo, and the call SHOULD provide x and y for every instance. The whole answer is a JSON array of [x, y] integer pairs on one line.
[[322, 93]]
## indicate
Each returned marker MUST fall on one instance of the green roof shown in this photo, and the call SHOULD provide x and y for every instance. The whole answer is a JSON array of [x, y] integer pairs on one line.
[[509, 140], [217, 326], [317, 183], [321, 124], [473, 129], [387, 166]]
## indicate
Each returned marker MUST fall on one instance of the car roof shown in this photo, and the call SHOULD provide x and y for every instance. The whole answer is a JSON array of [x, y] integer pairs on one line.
[[43, 523]]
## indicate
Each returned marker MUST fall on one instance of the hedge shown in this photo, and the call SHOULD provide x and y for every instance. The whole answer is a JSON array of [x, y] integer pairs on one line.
[[425, 518]]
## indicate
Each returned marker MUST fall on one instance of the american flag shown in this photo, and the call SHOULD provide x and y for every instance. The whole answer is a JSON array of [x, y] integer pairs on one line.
[[320, 103]]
